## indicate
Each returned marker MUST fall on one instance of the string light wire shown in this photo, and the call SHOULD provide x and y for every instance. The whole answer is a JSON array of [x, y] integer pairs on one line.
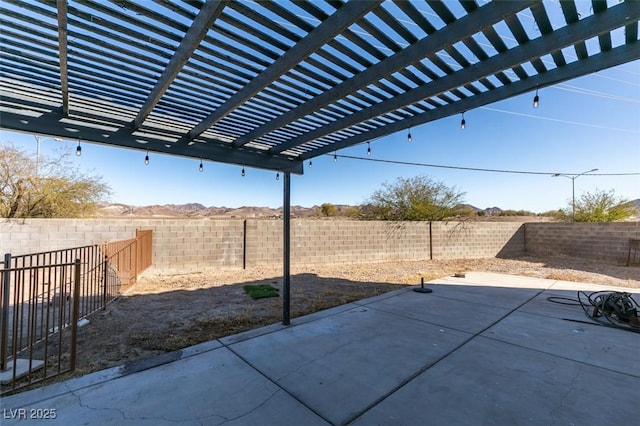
[[477, 169], [576, 123]]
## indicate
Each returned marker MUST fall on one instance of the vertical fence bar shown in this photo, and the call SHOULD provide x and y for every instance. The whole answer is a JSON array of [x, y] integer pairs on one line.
[[105, 270], [74, 315], [139, 251], [5, 311], [136, 255]]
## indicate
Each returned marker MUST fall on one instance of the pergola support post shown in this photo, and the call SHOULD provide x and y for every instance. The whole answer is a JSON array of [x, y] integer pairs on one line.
[[286, 250]]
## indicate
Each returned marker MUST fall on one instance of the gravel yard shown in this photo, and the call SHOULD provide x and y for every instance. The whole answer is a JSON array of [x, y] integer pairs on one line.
[[163, 313]]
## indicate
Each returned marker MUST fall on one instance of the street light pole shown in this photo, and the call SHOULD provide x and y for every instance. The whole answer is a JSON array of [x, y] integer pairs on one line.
[[573, 189], [37, 154], [38, 140]]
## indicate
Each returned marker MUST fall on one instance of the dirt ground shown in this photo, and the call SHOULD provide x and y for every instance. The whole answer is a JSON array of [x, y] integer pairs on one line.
[[166, 313]]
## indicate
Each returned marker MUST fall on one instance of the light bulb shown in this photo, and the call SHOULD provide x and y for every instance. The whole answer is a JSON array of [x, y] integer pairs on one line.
[[536, 100], [201, 168], [277, 175], [310, 164], [368, 149], [242, 173], [79, 150], [146, 159], [409, 138], [335, 157], [463, 123]]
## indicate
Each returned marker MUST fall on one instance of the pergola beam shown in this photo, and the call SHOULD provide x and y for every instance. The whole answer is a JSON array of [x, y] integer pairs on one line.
[[429, 45], [54, 124], [209, 12], [611, 58], [62, 52], [314, 40], [617, 16]]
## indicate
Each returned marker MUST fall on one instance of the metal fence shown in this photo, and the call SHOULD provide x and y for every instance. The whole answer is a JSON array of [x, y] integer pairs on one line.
[[127, 259], [43, 296]]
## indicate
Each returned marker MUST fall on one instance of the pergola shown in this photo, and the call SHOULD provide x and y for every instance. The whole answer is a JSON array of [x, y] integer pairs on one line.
[[271, 84]]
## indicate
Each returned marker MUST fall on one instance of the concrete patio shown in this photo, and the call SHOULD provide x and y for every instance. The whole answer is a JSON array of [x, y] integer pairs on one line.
[[483, 349]]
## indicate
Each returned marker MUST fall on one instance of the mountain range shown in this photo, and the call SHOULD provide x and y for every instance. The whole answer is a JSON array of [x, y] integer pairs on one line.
[[196, 210]]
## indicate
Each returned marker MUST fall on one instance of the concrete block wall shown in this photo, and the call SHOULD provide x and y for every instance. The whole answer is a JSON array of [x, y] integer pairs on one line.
[[179, 245], [334, 241], [182, 245], [604, 241], [186, 245], [474, 240], [24, 236]]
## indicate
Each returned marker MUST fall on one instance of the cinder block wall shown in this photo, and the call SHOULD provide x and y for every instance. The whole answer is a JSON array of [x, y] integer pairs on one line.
[[183, 245], [179, 245], [23, 236], [605, 241], [474, 240], [334, 241]]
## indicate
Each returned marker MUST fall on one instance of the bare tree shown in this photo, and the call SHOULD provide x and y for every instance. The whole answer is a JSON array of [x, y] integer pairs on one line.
[[58, 189]]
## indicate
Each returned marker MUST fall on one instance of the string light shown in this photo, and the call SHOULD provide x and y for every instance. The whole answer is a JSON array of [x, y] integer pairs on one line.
[[242, 173], [369, 149], [201, 168], [409, 138], [536, 99], [335, 157], [79, 149], [146, 159], [463, 123], [277, 175], [310, 164]]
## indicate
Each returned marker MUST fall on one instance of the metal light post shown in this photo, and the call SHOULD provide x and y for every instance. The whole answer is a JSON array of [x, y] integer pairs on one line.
[[38, 140], [573, 189]]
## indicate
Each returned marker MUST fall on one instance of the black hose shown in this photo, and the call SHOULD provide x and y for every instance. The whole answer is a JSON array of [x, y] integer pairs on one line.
[[606, 308]]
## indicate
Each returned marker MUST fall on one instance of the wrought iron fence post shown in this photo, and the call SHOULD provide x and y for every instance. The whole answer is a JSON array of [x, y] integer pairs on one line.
[[5, 312], [75, 315], [105, 266]]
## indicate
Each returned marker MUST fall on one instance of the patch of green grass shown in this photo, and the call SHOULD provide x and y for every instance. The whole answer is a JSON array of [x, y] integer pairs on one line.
[[261, 291]]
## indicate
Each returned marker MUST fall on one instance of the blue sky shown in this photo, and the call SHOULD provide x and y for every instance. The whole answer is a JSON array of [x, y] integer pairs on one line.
[[591, 122]]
